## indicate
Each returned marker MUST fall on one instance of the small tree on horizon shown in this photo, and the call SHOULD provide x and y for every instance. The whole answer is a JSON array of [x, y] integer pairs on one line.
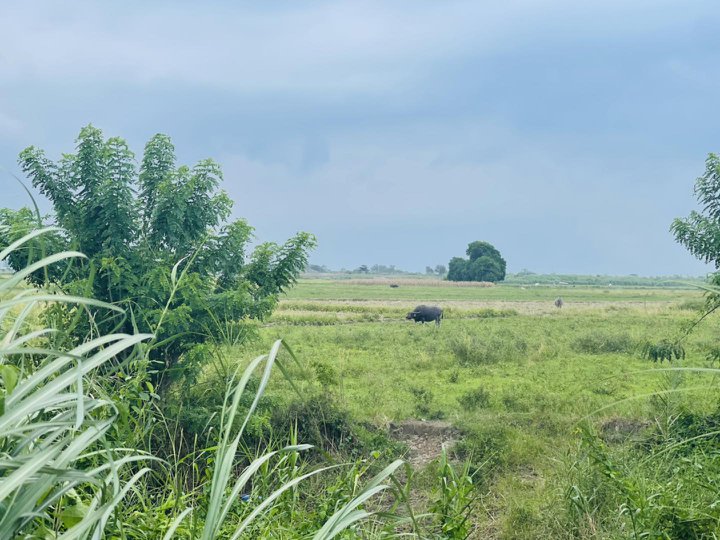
[[484, 263]]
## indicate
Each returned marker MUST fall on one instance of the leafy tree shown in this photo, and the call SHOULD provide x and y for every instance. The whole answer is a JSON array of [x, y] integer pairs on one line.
[[158, 241], [440, 270], [429, 270], [700, 232], [484, 263]]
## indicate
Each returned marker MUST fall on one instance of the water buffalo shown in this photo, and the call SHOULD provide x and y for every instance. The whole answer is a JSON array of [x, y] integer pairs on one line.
[[559, 302], [425, 314]]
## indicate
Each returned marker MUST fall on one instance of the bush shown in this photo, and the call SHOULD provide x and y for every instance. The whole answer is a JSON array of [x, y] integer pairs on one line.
[[502, 346], [423, 399], [662, 350], [600, 342], [156, 240], [479, 398]]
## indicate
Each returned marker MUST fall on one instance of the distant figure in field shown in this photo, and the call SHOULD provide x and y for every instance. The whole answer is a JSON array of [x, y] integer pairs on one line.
[[559, 302], [425, 314]]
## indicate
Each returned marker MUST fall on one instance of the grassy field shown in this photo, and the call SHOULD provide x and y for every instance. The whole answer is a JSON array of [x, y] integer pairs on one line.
[[434, 290], [515, 375]]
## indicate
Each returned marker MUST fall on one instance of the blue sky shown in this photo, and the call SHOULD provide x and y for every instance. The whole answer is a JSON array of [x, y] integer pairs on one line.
[[567, 133]]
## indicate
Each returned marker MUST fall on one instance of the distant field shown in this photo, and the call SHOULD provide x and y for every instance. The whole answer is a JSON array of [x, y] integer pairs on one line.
[[507, 366], [326, 289]]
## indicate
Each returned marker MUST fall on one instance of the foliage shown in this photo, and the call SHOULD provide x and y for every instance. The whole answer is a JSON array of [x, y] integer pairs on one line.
[[700, 232], [455, 499], [484, 263], [663, 350], [478, 398], [475, 350], [602, 342], [138, 228], [663, 494], [56, 474], [65, 474]]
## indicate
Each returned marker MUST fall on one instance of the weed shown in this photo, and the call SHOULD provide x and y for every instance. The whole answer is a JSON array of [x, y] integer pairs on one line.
[[603, 342], [479, 398], [325, 373], [423, 399], [455, 499], [662, 350], [502, 346]]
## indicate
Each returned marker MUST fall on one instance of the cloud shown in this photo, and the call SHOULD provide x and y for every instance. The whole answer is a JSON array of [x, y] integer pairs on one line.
[[569, 132], [342, 46]]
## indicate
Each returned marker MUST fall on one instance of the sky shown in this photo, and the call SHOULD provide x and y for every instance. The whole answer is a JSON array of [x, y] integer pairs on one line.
[[568, 134]]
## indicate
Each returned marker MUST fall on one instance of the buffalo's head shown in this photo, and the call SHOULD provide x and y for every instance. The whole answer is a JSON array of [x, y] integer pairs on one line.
[[411, 315]]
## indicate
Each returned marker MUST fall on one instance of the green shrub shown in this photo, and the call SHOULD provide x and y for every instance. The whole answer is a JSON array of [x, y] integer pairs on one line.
[[501, 346], [326, 374], [602, 342], [712, 353], [694, 304], [486, 446], [156, 240], [662, 350], [423, 399], [658, 494], [65, 473], [455, 499], [472, 400]]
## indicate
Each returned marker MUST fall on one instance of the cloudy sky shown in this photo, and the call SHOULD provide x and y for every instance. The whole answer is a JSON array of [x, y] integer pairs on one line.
[[567, 133]]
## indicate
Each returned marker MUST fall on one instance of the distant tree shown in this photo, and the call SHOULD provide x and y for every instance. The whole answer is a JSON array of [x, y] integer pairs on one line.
[[440, 270], [318, 268], [457, 269], [362, 269], [429, 270], [383, 269], [484, 263], [134, 225]]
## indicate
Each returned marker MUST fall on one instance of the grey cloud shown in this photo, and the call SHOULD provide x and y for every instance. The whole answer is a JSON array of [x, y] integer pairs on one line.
[[569, 133]]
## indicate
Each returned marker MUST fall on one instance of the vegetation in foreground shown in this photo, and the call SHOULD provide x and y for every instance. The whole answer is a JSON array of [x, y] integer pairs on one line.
[[87, 450]]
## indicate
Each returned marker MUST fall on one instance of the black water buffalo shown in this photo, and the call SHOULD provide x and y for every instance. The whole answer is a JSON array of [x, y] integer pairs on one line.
[[559, 303], [425, 314]]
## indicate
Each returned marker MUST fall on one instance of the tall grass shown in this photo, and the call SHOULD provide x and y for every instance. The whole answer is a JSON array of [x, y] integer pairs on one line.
[[63, 472], [52, 428]]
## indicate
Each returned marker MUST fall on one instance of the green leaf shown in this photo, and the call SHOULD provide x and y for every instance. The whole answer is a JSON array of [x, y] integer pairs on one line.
[[9, 376]]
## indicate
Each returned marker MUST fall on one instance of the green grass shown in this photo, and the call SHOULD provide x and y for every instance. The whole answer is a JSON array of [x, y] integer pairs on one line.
[[326, 289], [518, 385]]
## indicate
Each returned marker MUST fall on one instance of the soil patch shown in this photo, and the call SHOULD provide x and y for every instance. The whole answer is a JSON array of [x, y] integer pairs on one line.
[[619, 430], [425, 439]]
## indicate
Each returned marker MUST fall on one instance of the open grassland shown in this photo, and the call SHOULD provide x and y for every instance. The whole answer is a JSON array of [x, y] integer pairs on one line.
[[514, 374], [326, 289]]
